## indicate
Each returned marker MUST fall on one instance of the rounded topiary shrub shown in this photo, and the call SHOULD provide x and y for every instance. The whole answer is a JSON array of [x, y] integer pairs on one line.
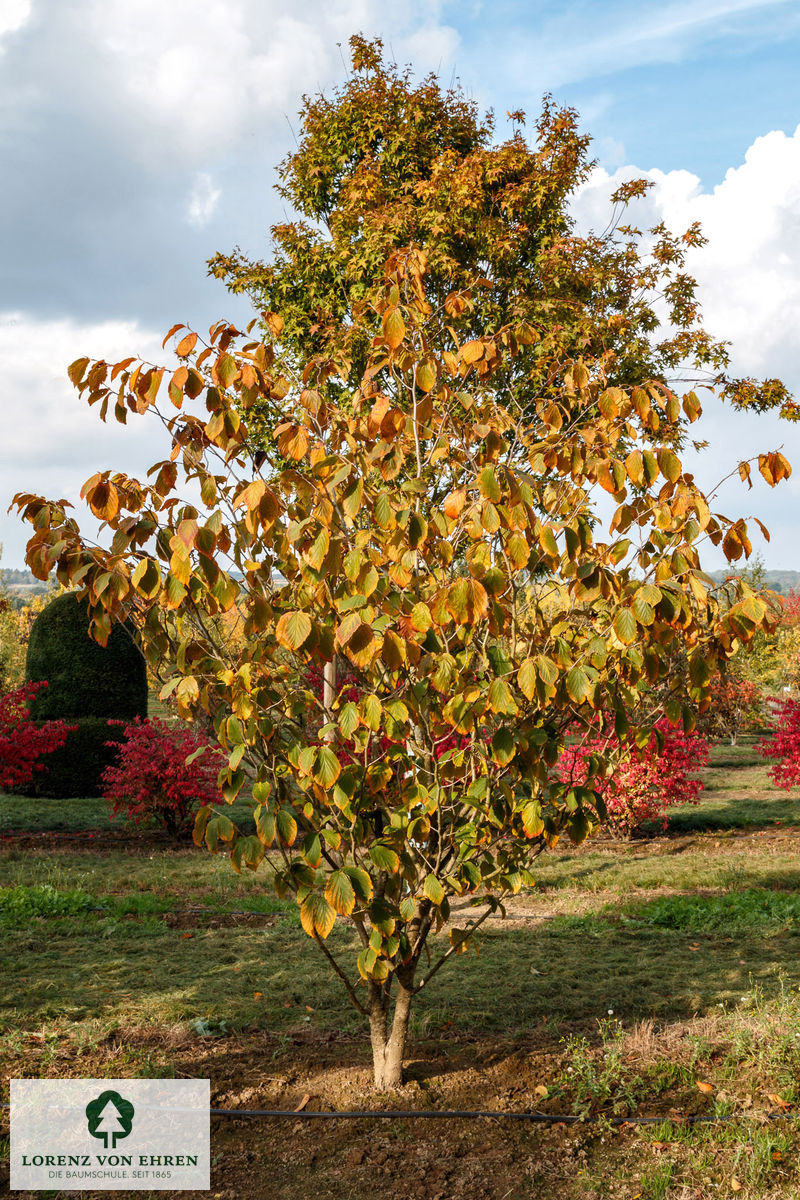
[[96, 688], [84, 679]]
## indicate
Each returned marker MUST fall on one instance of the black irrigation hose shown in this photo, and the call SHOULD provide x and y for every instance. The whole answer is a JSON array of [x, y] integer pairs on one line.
[[542, 1118], [469, 1114]]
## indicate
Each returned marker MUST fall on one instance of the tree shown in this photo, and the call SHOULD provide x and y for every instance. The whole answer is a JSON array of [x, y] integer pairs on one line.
[[770, 664], [491, 622], [736, 705]]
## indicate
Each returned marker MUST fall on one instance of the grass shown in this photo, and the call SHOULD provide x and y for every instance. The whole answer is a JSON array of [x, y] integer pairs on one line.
[[20, 814], [633, 971]]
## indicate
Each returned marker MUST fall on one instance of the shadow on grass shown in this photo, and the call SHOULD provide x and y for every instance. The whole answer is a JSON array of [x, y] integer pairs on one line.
[[121, 973], [21, 814], [751, 812]]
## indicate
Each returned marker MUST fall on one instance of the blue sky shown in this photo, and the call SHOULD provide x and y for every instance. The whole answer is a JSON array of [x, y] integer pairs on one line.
[[137, 137]]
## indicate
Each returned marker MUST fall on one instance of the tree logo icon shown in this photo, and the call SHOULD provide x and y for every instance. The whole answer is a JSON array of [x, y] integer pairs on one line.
[[110, 1117]]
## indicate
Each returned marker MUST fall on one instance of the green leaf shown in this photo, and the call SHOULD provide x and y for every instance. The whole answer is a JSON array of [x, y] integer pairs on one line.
[[384, 857], [669, 464], [532, 821], [546, 669], [699, 670], [311, 849], [261, 791], [625, 626], [247, 852], [202, 817], [226, 370], [352, 497], [417, 530], [348, 719], [365, 962], [362, 884], [382, 510], [433, 889], [234, 732], [286, 826], [548, 542], [579, 827], [579, 689], [265, 825], [642, 609], [327, 768], [488, 485], [382, 916], [500, 699], [371, 712], [147, 578], [503, 746]]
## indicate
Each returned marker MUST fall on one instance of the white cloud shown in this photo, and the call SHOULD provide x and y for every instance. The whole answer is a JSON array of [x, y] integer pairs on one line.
[[202, 200], [749, 286], [200, 76], [13, 15], [52, 441]]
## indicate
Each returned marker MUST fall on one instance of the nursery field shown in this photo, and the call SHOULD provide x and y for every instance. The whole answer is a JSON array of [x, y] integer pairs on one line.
[[653, 977]]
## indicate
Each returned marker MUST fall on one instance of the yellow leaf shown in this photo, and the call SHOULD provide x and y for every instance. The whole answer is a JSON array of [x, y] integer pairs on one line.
[[425, 376], [293, 630], [471, 352]]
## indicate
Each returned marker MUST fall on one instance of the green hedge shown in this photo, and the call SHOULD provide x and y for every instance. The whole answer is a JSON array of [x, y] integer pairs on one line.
[[83, 678], [75, 769]]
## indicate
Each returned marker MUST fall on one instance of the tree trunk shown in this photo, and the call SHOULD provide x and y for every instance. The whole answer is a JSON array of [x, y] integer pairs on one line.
[[388, 1045], [329, 693]]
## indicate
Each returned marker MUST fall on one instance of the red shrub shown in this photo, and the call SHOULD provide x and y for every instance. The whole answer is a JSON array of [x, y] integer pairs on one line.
[[790, 605], [152, 782], [783, 744], [647, 784], [23, 743]]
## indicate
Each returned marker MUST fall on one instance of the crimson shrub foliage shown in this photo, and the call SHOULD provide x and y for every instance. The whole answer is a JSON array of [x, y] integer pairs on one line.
[[152, 781], [645, 785], [22, 742], [783, 744]]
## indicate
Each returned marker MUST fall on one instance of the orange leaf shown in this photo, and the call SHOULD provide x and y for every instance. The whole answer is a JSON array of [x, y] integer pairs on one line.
[[454, 503], [186, 345], [394, 328], [705, 1087]]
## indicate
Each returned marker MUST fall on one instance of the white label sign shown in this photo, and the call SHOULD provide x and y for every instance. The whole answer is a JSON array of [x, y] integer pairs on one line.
[[107, 1134]]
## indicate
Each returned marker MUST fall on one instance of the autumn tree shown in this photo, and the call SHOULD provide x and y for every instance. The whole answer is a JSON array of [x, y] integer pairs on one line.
[[388, 161], [441, 537]]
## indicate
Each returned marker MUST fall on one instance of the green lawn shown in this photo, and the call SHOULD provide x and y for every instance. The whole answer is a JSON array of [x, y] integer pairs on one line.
[[632, 970]]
